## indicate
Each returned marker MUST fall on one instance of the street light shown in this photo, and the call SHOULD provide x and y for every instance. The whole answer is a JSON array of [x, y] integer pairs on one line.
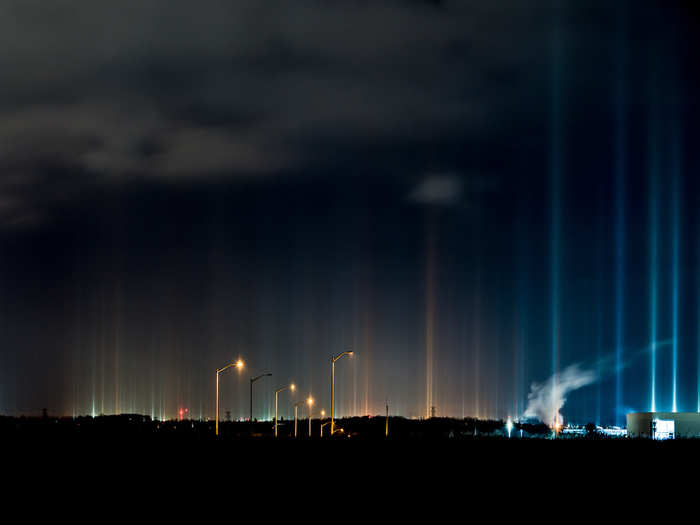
[[292, 388], [333, 360], [253, 380], [239, 365], [320, 421], [310, 403], [323, 425]]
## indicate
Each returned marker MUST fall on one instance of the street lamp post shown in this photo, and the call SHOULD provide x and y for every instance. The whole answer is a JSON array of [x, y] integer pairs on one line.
[[277, 392], [333, 360], [253, 380], [320, 420], [239, 365], [323, 425], [310, 403]]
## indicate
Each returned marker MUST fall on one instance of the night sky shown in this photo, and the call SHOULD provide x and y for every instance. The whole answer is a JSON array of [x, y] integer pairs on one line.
[[472, 196]]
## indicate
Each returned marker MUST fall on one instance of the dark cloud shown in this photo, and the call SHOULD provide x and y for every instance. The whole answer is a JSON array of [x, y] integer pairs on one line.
[[439, 189], [167, 90]]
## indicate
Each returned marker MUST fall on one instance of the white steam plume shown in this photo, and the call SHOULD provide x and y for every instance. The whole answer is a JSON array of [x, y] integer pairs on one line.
[[546, 399]]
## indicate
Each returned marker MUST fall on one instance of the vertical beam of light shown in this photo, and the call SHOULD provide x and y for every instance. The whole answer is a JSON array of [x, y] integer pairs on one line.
[[477, 343], [653, 164], [116, 340], [555, 175], [364, 356], [429, 317], [102, 355], [698, 321], [675, 159], [522, 360], [517, 357], [360, 306], [463, 363], [355, 390], [599, 360], [521, 319], [599, 310], [163, 412], [620, 175], [653, 256], [93, 374], [153, 381]]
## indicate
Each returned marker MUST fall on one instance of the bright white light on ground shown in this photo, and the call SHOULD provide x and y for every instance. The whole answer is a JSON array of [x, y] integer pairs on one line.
[[664, 429]]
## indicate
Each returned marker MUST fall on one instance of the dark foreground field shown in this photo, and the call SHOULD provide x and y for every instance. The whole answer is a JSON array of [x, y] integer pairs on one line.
[[122, 463], [467, 449]]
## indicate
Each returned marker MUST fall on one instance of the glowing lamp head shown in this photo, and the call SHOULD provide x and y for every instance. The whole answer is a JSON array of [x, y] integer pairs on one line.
[[310, 401], [239, 364], [292, 387], [323, 413]]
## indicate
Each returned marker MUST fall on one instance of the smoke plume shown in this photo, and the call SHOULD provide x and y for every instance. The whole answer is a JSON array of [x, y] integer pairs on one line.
[[546, 399]]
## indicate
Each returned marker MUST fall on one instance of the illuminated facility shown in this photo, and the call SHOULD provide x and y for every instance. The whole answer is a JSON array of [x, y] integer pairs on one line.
[[663, 425]]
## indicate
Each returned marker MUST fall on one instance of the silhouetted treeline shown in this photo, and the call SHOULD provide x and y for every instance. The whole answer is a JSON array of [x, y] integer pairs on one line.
[[367, 427]]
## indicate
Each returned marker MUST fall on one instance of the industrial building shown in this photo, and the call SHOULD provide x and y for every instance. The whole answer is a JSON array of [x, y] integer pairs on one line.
[[663, 425]]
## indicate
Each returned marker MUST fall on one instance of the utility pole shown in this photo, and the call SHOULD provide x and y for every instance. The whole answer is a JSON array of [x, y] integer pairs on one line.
[[386, 428]]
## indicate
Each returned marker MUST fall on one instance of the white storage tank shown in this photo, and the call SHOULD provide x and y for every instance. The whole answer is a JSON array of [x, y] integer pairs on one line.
[[663, 425]]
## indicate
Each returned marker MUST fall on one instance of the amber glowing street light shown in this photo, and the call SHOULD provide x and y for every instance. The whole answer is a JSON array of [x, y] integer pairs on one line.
[[333, 360], [320, 420], [310, 403], [277, 392], [239, 365]]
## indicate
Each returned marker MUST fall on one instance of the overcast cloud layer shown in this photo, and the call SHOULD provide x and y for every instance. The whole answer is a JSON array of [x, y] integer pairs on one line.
[[166, 90]]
